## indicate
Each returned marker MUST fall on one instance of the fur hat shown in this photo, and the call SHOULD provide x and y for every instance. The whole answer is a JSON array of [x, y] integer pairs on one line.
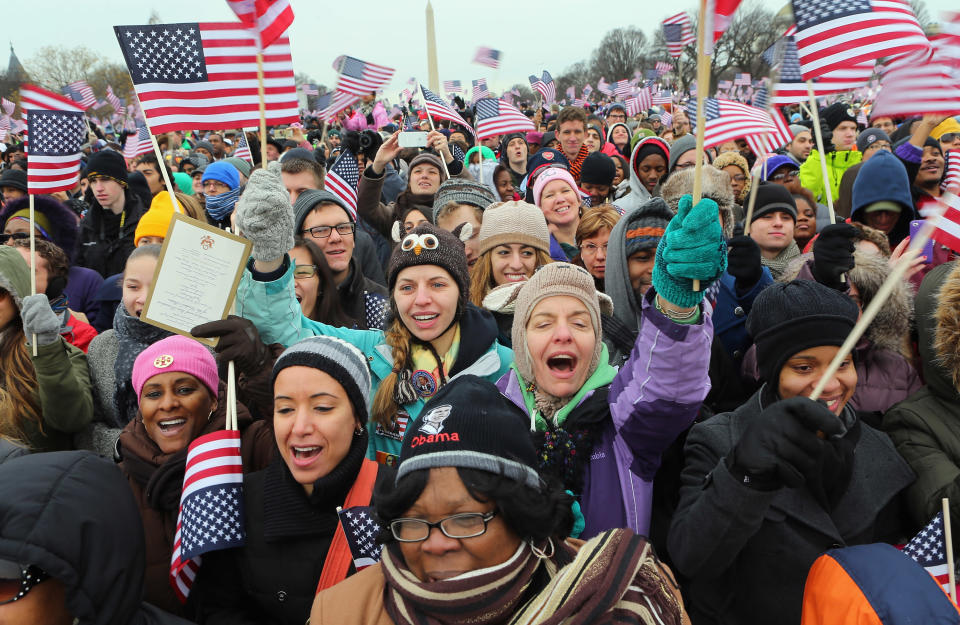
[[428, 245], [735, 158], [716, 186]]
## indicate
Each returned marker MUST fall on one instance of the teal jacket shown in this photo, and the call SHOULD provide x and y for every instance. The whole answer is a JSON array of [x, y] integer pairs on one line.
[[273, 308]]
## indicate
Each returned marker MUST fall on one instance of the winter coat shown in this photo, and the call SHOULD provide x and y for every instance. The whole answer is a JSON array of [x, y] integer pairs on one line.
[[638, 193], [10, 450], [730, 319], [746, 551], [884, 178], [63, 383], [366, 253], [71, 514], [273, 308], [81, 291], [842, 206], [926, 426], [108, 255], [363, 300], [653, 397], [76, 331], [811, 172]]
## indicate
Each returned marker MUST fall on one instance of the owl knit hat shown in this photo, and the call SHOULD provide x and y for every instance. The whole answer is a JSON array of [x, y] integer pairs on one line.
[[429, 245]]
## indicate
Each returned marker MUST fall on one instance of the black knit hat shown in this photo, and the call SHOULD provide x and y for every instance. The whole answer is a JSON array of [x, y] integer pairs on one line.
[[429, 245], [108, 164], [836, 114], [14, 178], [598, 168], [470, 424], [773, 197], [787, 318]]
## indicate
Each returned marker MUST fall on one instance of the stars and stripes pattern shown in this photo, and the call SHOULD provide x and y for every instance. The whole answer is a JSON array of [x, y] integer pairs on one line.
[[342, 180], [666, 118], [361, 530], [55, 129], [915, 85], [309, 89], [137, 144], [841, 34], [496, 117], [791, 87], [768, 143], [267, 18], [451, 86], [115, 102], [211, 506], [639, 103], [545, 87], [951, 181], [204, 75], [480, 89], [724, 85], [487, 56], [361, 78], [242, 149], [727, 120], [81, 93], [663, 97], [742, 80], [678, 33], [587, 90], [7, 105], [928, 549], [623, 89], [604, 87], [662, 67], [437, 108], [331, 104]]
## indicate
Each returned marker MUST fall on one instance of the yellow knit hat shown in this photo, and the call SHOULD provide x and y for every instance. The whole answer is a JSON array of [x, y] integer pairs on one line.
[[156, 221], [948, 125]]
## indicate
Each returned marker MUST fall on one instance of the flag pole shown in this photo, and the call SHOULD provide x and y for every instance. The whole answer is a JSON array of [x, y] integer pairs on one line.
[[160, 162], [947, 535], [815, 113], [703, 80], [759, 173], [263, 112], [430, 119], [33, 264]]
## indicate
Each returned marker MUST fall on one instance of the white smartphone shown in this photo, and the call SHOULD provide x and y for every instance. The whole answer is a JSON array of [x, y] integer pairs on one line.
[[412, 139]]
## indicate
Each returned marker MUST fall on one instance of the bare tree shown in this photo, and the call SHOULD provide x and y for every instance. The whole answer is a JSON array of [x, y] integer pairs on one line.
[[621, 52], [54, 67]]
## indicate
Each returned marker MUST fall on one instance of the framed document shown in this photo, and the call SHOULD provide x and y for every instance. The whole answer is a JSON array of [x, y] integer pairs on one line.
[[196, 277]]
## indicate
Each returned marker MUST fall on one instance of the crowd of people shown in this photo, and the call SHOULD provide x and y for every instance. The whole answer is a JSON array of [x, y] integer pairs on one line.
[[566, 391]]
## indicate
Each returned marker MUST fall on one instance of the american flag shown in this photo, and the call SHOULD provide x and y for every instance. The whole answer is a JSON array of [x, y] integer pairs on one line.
[[359, 77], [8, 106], [917, 86], [791, 87], [545, 87], [480, 89], [436, 107], [205, 75], [587, 90], [137, 144], [768, 143], [114, 101], [841, 34], [332, 104], [56, 130], [951, 181], [947, 231], [666, 118], [496, 117], [571, 93], [342, 180], [309, 89], [487, 56], [360, 530], [678, 33], [719, 16], [211, 506], [81, 93], [663, 97], [761, 98], [727, 120], [724, 85], [267, 18], [663, 67], [604, 87], [929, 550], [451, 86], [242, 150], [639, 103], [623, 88], [743, 80]]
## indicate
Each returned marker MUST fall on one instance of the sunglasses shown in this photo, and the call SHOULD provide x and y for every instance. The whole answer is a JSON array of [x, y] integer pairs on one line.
[[301, 272], [16, 580], [16, 236], [949, 137]]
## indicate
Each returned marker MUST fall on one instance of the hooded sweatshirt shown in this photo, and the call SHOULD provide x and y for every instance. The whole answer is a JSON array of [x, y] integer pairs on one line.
[[638, 193], [883, 178]]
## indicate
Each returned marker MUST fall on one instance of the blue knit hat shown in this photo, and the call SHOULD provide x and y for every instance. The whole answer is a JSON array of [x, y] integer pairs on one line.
[[224, 172]]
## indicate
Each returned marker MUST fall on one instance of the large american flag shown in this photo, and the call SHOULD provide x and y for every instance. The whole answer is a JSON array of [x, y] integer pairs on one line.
[[359, 77], [205, 75], [267, 18], [81, 93], [361, 530], [436, 107], [841, 34], [451, 86], [678, 33], [928, 549], [914, 85], [480, 89], [496, 117], [333, 103], [727, 120], [791, 87], [55, 131], [211, 506], [487, 56], [342, 180], [137, 144]]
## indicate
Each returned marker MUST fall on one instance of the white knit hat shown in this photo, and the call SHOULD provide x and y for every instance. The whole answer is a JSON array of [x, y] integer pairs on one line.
[[514, 222]]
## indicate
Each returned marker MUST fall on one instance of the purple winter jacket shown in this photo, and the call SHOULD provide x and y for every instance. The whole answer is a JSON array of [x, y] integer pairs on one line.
[[653, 398]]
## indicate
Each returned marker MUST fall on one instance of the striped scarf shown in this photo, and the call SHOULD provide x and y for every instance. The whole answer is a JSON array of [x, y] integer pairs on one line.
[[614, 578], [576, 165]]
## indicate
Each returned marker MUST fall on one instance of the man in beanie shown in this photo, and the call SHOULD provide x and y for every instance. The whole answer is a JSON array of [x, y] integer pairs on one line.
[[840, 134], [13, 185], [800, 146], [462, 201], [596, 177], [771, 227], [770, 486], [514, 154], [221, 190], [108, 228]]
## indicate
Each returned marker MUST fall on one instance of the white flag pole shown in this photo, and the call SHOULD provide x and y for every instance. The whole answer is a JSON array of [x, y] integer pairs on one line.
[[33, 264], [948, 538]]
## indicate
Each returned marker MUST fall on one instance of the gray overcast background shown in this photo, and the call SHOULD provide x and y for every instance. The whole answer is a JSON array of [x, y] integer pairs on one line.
[[533, 35]]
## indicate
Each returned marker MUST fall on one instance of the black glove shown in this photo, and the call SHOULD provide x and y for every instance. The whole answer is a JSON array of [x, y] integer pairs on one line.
[[833, 254], [781, 446], [239, 342], [743, 262]]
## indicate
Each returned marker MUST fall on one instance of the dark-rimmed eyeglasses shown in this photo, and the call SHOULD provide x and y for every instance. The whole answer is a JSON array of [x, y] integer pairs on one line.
[[301, 272], [16, 580], [787, 175], [465, 525], [322, 232], [16, 236]]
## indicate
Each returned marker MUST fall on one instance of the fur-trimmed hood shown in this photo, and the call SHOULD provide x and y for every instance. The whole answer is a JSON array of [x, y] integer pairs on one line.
[[942, 373], [65, 225]]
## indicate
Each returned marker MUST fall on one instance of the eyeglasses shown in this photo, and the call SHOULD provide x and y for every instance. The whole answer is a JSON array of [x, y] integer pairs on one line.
[[215, 185], [16, 236], [949, 137], [879, 145], [466, 525], [16, 580], [787, 175], [590, 249], [301, 272], [738, 178], [322, 232], [682, 166]]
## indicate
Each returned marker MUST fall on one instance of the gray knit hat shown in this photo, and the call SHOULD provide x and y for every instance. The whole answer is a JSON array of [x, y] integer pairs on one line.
[[680, 147], [242, 165], [462, 191], [338, 359], [796, 129], [514, 222], [310, 198]]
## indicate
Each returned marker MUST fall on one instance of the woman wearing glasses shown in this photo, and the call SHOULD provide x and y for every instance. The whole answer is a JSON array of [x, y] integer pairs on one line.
[[314, 285], [473, 534], [592, 236]]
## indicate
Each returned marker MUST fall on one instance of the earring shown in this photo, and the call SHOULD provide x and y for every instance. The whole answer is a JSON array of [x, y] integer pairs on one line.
[[541, 555]]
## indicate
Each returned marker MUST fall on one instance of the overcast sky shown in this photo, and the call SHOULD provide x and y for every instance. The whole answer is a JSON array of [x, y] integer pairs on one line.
[[533, 35]]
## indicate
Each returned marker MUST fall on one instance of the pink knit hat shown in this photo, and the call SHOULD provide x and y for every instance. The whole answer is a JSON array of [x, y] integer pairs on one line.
[[175, 353], [549, 175]]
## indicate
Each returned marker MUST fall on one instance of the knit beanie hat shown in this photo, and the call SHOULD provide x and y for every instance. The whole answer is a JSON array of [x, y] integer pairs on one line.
[[428, 158], [796, 129], [14, 178], [224, 172], [548, 176], [340, 360], [773, 197], [175, 353], [870, 136], [836, 114], [550, 280], [40, 220], [514, 222], [184, 182], [790, 317], [948, 125], [156, 221], [108, 164], [243, 166], [645, 147], [429, 245], [206, 145], [306, 202], [680, 147], [462, 191], [471, 425], [598, 168], [646, 225]]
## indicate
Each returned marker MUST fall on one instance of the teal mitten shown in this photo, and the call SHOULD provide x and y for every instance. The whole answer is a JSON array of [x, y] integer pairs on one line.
[[692, 248]]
